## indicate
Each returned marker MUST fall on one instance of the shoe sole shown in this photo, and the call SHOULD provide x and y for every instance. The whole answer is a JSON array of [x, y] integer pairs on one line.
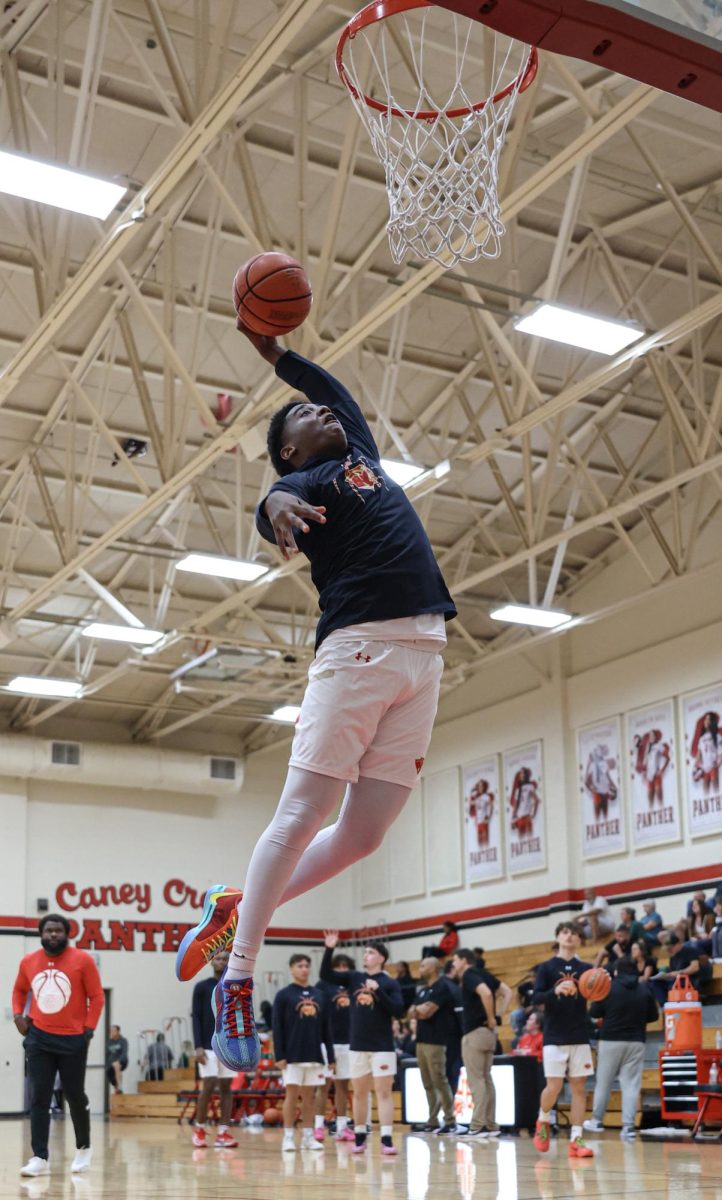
[[212, 897]]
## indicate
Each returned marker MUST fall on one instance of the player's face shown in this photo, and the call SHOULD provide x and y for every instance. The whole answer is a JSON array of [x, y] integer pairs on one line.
[[372, 960], [300, 972], [54, 939], [220, 962], [568, 940], [312, 430]]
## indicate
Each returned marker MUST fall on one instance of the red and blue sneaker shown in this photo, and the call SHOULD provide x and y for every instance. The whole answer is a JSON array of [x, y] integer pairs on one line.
[[214, 931], [235, 1040]]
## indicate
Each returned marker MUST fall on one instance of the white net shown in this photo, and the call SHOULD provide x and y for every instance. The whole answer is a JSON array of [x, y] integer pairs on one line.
[[442, 165]]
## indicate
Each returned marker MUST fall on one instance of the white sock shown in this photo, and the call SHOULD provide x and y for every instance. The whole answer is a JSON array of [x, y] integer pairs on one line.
[[223, 1129], [387, 1130], [319, 1122], [544, 1116], [240, 966], [288, 1135], [576, 1132], [360, 1129], [199, 1126], [307, 1134], [341, 1124]]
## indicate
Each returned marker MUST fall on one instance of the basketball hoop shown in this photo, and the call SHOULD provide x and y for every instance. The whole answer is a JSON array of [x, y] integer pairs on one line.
[[440, 151]]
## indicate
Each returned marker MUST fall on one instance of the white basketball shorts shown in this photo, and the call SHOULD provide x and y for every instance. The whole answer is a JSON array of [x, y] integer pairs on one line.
[[213, 1068]]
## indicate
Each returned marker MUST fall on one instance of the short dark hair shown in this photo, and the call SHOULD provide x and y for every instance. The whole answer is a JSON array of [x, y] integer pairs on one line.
[[274, 438], [622, 928], [380, 948], [343, 960], [297, 958], [570, 925], [53, 917], [467, 955], [632, 912], [625, 966]]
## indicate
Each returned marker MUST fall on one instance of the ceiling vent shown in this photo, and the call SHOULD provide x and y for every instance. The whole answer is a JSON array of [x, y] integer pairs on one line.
[[65, 754], [223, 768]]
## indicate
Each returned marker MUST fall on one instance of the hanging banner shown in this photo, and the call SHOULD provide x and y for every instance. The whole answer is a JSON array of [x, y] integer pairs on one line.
[[701, 716], [652, 767], [524, 791], [482, 821], [598, 758]]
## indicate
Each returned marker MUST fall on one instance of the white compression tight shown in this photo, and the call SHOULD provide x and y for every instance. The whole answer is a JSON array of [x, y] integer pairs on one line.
[[291, 856]]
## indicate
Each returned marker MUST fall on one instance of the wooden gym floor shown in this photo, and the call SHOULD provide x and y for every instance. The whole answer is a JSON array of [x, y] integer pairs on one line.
[[137, 1160]]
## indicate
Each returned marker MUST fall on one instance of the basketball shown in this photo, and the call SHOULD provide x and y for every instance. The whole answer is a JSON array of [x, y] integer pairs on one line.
[[272, 1117], [272, 293], [595, 984]]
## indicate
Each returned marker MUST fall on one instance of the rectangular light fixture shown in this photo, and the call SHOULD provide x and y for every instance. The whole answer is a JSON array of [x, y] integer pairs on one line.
[[136, 635], [575, 328], [527, 614], [58, 186], [220, 567], [39, 685], [401, 472], [288, 713]]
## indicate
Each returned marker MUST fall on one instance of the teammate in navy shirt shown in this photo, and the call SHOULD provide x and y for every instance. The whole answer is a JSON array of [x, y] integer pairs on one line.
[[372, 693], [212, 1073], [566, 1039], [302, 1045], [339, 1002], [375, 1000]]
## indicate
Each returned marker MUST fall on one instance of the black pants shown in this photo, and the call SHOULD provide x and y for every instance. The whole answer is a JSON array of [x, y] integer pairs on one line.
[[46, 1054]]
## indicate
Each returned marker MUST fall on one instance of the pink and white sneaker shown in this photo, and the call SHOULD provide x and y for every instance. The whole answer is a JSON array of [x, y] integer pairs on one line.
[[346, 1135], [388, 1149], [319, 1133]]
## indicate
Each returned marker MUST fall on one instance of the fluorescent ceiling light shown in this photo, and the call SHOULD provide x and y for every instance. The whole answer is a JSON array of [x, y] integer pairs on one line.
[[288, 713], [401, 472], [526, 614], [137, 635], [58, 186], [575, 328], [220, 567], [38, 685]]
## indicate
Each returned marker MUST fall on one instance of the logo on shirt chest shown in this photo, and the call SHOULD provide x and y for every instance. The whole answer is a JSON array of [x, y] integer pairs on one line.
[[51, 989], [359, 477], [307, 1007], [364, 997]]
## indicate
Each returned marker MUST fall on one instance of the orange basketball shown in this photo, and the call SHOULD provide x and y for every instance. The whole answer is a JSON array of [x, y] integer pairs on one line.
[[595, 984], [272, 293], [272, 1117]]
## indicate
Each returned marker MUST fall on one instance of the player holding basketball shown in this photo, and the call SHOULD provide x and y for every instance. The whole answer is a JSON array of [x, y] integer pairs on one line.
[[566, 1042], [67, 1000], [373, 687]]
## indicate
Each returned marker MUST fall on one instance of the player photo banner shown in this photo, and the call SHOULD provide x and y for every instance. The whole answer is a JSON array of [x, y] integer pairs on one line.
[[599, 774], [524, 793], [482, 820], [652, 767], [701, 719]]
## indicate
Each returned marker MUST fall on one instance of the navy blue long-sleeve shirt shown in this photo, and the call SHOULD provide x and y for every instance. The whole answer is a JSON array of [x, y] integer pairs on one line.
[[204, 1022], [372, 560], [301, 1025], [371, 1011], [339, 1003], [565, 1017]]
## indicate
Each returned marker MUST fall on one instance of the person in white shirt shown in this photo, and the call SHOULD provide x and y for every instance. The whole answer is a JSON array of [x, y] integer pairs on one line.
[[595, 917]]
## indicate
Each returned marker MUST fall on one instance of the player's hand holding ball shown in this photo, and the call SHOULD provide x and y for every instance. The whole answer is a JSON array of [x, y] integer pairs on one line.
[[566, 987]]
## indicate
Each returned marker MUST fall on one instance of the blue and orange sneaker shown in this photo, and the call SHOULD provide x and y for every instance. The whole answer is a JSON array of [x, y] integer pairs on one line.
[[235, 1040], [213, 932]]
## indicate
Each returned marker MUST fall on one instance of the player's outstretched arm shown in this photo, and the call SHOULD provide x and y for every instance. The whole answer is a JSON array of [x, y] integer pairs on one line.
[[287, 512], [267, 347]]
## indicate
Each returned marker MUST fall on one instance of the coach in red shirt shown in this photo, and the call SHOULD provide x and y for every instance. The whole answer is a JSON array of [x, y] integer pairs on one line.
[[66, 1000]]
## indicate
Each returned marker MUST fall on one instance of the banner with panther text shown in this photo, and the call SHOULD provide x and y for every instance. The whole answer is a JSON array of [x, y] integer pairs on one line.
[[525, 820], [602, 810], [482, 820], [701, 716]]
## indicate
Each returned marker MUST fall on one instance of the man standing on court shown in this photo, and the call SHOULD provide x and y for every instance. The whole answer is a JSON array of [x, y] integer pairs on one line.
[[211, 1071], [303, 1046], [566, 1041], [373, 687], [436, 1021], [480, 989], [66, 1003], [626, 1012], [375, 1001]]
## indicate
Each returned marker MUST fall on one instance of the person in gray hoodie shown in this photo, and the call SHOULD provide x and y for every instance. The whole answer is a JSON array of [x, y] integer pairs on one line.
[[626, 1012]]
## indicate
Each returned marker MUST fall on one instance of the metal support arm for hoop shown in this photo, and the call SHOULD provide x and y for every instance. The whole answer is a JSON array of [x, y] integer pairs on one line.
[[441, 159]]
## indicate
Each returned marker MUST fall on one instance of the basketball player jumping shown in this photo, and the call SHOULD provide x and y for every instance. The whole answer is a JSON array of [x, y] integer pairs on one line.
[[373, 686]]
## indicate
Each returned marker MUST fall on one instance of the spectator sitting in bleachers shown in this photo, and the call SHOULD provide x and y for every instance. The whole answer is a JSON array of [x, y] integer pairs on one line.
[[701, 924], [406, 982], [595, 918], [525, 991], [447, 944], [628, 917], [531, 1041], [701, 896], [618, 947], [643, 959], [717, 931], [652, 923], [682, 958]]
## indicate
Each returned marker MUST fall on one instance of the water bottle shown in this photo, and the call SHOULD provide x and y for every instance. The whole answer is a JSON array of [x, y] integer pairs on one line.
[[718, 1040], [713, 1074]]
